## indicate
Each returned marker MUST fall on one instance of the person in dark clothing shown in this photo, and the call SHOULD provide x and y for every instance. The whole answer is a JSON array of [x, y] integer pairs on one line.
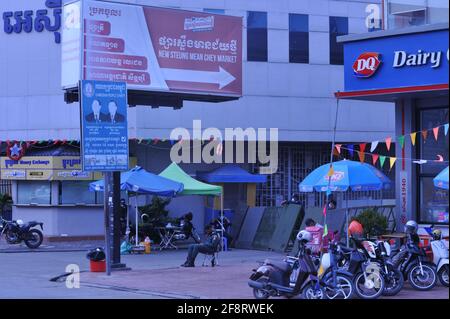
[[187, 226], [294, 200], [209, 247], [226, 227]]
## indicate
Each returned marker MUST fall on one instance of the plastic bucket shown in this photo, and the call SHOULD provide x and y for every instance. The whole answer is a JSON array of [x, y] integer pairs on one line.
[[98, 266]]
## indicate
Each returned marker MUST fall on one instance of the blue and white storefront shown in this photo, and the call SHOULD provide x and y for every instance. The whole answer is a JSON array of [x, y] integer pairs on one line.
[[409, 67]]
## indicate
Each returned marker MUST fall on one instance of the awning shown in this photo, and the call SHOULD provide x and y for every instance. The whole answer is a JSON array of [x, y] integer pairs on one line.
[[191, 185], [138, 180], [230, 174]]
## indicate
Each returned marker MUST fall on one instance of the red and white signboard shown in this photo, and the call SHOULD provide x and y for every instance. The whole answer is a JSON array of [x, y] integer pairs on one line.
[[155, 49]]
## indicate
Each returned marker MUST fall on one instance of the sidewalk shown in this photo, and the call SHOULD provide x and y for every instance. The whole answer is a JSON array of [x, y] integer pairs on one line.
[[159, 275], [51, 247]]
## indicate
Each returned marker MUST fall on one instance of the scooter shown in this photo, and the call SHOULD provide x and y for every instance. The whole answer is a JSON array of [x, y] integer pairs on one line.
[[412, 262], [337, 282], [289, 278], [440, 255]]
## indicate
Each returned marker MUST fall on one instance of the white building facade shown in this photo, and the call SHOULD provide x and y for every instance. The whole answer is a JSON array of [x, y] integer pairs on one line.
[[296, 96]]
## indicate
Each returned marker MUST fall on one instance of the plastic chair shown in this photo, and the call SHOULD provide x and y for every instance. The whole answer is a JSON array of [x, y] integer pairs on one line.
[[213, 258]]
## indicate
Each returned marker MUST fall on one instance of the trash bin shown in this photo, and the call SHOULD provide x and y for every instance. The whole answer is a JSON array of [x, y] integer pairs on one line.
[[97, 260]]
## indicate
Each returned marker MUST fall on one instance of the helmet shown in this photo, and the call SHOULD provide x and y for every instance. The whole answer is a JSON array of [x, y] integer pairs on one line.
[[304, 236], [411, 227], [355, 228], [437, 234]]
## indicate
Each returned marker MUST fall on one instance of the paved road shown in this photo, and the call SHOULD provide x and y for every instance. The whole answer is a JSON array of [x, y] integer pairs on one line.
[[158, 275]]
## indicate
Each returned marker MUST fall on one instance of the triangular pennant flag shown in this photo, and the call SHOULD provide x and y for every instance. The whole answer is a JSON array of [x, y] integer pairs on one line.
[[401, 141], [361, 157], [362, 147], [331, 171], [373, 146], [325, 231], [374, 158], [382, 159], [413, 138], [424, 135], [446, 129], [388, 143], [338, 148], [436, 133], [350, 150], [392, 161]]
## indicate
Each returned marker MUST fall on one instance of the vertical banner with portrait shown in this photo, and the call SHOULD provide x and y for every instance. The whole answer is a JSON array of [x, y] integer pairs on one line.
[[104, 126]]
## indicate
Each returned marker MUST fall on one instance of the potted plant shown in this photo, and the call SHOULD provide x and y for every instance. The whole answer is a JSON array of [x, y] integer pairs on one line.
[[374, 223], [156, 215]]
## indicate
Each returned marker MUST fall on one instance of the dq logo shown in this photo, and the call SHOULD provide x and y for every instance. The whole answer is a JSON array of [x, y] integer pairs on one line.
[[366, 65]]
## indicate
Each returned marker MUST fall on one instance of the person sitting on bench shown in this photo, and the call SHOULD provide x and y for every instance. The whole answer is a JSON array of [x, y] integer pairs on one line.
[[209, 247]]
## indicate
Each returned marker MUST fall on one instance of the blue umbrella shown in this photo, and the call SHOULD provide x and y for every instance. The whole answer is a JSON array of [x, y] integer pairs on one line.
[[138, 180], [346, 175], [441, 180]]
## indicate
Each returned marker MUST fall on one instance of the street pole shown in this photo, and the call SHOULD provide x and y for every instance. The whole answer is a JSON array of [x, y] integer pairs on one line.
[[108, 205], [117, 227]]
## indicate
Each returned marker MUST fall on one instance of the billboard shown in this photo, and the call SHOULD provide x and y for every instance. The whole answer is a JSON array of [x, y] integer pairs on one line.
[[104, 126], [152, 49]]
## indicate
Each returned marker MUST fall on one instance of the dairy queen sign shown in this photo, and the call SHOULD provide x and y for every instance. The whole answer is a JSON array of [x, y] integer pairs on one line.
[[28, 20]]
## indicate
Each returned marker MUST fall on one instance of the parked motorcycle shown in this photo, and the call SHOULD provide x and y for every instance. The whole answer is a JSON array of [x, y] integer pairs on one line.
[[412, 261], [440, 255], [379, 252], [289, 278], [368, 279], [17, 231], [336, 282], [187, 230]]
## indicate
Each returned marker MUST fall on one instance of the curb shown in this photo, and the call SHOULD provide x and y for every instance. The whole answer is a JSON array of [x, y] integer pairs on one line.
[[17, 251]]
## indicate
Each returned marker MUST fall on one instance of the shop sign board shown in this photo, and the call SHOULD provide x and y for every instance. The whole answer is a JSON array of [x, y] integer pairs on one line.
[[412, 60]]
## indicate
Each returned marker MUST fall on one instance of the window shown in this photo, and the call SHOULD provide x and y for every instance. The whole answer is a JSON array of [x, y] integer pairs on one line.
[[76, 192], [34, 192], [433, 202], [215, 11], [257, 36], [338, 27], [298, 38]]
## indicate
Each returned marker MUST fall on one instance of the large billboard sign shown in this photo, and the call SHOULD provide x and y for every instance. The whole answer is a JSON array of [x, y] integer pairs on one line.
[[152, 49]]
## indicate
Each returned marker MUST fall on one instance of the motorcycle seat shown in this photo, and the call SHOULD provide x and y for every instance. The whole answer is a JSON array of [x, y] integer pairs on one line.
[[281, 265]]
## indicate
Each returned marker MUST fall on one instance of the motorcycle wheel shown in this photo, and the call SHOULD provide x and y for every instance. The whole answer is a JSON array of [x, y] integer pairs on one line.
[[394, 282], [372, 289], [11, 237], [443, 275], [312, 293], [35, 239], [261, 293], [425, 281], [344, 288]]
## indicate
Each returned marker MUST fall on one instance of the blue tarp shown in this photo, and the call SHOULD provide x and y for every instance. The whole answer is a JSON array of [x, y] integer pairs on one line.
[[230, 174], [140, 181]]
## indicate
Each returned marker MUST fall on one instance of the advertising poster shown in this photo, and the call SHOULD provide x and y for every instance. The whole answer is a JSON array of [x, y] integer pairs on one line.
[[158, 49], [104, 126]]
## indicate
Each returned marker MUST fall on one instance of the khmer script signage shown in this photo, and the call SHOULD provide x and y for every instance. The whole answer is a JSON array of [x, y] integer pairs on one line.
[[38, 20]]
